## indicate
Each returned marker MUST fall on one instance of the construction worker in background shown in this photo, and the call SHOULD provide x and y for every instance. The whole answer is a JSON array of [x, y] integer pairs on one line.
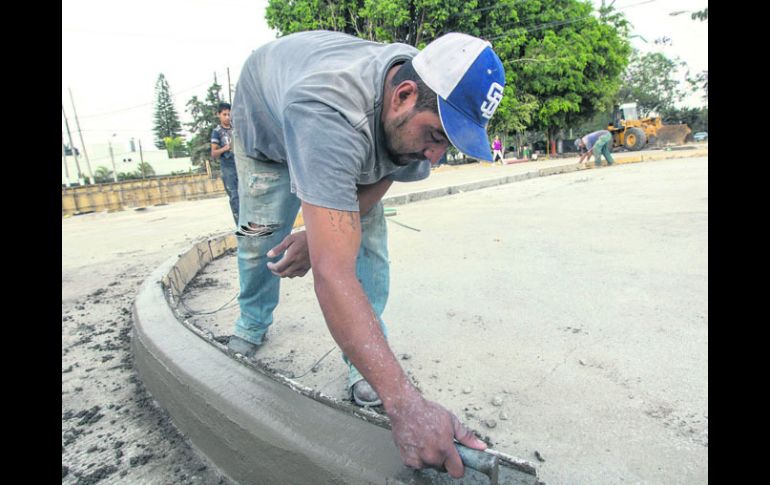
[[599, 143]]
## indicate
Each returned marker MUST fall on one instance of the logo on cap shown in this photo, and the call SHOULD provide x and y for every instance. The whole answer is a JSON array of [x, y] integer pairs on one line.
[[494, 96]]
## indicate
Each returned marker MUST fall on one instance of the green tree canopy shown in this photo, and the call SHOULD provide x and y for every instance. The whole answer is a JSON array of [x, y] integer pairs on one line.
[[696, 118], [204, 120], [103, 175], [166, 122], [650, 82], [563, 62], [176, 147]]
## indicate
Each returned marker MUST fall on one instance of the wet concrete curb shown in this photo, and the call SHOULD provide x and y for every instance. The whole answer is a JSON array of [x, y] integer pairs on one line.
[[254, 428], [254, 425]]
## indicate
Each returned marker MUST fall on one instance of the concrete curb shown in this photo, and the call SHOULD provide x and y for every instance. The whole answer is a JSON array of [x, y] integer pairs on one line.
[[254, 424]]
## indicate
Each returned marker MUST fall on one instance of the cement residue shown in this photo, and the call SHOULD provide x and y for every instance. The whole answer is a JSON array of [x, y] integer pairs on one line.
[[112, 431]]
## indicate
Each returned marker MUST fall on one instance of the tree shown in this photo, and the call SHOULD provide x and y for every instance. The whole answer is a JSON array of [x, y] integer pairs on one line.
[[700, 81], [649, 81], [204, 115], [102, 175], [701, 15], [144, 170], [696, 118], [166, 119], [571, 62], [561, 62], [176, 147]]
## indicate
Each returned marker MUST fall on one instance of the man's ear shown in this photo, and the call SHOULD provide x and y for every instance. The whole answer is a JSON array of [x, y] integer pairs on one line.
[[404, 96]]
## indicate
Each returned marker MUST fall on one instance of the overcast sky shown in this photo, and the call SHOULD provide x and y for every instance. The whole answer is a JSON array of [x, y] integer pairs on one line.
[[113, 51]]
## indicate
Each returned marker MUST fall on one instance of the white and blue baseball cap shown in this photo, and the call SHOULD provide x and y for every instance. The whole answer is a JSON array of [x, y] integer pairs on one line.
[[468, 78]]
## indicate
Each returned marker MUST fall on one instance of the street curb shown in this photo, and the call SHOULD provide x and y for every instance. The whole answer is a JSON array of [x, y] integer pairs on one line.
[[542, 172], [255, 425]]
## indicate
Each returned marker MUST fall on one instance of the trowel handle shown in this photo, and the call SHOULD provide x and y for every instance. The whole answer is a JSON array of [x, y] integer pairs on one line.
[[479, 461]]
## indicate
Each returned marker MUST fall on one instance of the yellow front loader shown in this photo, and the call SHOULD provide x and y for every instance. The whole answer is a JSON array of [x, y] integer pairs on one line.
[[634, 134]]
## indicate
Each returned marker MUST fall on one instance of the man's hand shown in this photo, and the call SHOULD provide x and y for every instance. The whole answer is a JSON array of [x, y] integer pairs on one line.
[[296, 259], [227, 147], [586, 155], [424, 433]]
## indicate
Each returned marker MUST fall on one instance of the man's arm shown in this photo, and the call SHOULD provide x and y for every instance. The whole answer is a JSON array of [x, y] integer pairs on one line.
[[585, 155], [296, 261], [217, 152], [422, 430]]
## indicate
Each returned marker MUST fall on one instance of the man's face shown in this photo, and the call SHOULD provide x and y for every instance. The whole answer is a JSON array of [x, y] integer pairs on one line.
[[224, 117], [415, 136]]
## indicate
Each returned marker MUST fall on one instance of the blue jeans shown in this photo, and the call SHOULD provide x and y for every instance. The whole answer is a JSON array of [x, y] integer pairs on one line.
[[267, 212], [230, 180], [602, 147]]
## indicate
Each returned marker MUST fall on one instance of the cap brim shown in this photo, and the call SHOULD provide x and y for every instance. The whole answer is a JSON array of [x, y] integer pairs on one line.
[[464, 134]]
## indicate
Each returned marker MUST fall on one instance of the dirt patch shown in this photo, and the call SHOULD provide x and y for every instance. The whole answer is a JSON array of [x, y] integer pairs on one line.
[[111, 428]]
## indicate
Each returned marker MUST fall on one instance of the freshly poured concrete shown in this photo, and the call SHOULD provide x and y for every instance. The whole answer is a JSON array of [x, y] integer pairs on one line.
[[577, 303], [104, 257]]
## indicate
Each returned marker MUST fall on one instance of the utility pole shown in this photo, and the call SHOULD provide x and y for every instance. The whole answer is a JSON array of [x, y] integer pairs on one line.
[[77, 123], [115, 173], [112, 157], [141, 158], [229, 91], [64, 161], [72, 147]]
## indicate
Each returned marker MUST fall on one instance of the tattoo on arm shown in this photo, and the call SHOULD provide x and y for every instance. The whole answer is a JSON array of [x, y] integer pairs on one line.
[[353, 220], [336, 220], [334, 225]]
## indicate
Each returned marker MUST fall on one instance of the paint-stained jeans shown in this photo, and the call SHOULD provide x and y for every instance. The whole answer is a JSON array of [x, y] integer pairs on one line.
[[267, 202], [230, 181], [602, 147]]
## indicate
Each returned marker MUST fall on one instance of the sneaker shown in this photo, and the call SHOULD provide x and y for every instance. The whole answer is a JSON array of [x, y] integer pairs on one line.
[[365, 395], [237, 345]]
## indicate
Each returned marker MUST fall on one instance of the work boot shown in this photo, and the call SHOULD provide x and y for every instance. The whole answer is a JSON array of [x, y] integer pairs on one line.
[[364, 394], [237, 345]]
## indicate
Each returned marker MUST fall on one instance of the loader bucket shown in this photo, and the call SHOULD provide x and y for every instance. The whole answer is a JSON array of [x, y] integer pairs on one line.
[[672, 135]]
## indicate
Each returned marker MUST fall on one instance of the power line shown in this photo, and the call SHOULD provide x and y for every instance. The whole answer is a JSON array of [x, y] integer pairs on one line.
[[141, 105], [148, 35], [146, 104], [557, 23]]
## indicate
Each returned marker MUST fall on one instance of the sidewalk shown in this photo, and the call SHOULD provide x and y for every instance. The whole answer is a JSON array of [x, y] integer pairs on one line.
[[478, 173]]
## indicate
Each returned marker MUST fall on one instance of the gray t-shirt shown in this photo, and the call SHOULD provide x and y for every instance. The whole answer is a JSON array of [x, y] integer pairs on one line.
[[313, 100], [591, 138]]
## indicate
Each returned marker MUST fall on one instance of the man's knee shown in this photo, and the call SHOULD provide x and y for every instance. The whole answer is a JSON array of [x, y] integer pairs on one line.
[[256, 232]]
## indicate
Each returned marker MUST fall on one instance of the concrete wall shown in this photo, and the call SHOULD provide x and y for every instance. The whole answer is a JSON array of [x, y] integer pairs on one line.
[[139, 193]]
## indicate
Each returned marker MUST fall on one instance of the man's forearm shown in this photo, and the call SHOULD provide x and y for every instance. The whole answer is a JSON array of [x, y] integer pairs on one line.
[[356, 329]]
